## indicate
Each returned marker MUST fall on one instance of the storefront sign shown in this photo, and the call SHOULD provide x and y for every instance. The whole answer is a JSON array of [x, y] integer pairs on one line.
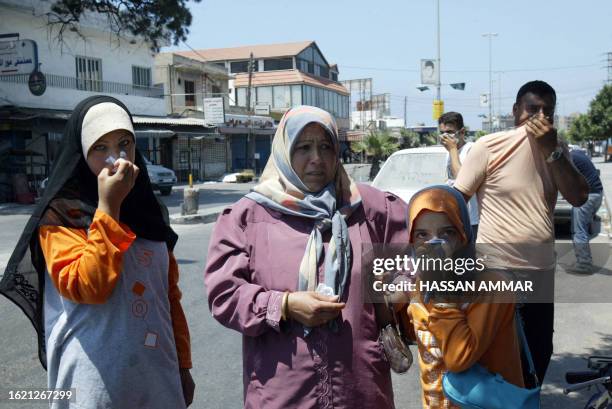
[[18, 57], [214, 110]]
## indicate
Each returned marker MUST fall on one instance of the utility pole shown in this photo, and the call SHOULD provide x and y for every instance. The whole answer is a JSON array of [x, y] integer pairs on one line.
[[438, 85], [405, 112], [490, 36], [499, 93], [609, 68], [250, 151]]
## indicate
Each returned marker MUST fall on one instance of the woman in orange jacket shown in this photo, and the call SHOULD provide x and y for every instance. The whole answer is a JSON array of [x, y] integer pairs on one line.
[[95, 273], [454, 336]]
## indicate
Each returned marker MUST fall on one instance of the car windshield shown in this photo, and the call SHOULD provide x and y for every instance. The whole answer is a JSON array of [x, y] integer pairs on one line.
[[412, 171]]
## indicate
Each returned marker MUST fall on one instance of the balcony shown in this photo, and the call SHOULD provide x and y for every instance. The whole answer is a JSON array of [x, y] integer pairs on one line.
[[104, 87], [63, 93]]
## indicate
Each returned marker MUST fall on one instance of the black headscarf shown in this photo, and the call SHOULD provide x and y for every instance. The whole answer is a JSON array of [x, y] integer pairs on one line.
[[70, 200]]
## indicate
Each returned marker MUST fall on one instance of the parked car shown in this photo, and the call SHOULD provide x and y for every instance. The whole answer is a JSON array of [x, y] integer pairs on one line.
[[162, 178], [578, 148], [409, 170]]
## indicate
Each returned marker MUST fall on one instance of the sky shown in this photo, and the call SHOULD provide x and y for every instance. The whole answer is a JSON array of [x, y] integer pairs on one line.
[[563, 42]]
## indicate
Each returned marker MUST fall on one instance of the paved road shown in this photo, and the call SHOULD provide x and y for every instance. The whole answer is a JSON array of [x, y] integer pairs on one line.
[[211, 195], [581, 329]]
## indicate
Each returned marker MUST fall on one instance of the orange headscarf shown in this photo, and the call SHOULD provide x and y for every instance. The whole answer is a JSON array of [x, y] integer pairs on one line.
[[443, 200]]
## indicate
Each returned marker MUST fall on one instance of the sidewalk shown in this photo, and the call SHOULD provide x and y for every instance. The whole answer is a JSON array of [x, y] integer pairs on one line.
[[214, 197]]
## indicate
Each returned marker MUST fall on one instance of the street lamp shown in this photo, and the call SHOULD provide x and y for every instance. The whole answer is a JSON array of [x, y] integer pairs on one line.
[[438, 95], [490, 36]]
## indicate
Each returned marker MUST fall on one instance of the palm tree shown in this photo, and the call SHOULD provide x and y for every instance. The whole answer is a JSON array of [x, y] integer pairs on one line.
[[410, 139], [378, 145]]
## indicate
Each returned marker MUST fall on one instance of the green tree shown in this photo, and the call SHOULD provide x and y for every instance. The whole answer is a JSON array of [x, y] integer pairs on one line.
[[581, 129], [410, 139], [479, 134], [157, 22], [377, 145], [430, 138], [600, 114]]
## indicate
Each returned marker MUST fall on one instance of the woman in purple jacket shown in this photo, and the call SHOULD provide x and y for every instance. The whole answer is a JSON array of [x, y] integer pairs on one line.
[[284, 269]]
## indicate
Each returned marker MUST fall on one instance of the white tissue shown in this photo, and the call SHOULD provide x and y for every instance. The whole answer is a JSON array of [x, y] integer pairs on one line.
[[325, 290], [111, 159]]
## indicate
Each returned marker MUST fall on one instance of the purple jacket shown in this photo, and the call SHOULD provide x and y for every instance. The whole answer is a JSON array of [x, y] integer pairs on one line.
[[253, 258]]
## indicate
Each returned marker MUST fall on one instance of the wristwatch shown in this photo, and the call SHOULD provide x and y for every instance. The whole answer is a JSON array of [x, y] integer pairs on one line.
[[555, 155]]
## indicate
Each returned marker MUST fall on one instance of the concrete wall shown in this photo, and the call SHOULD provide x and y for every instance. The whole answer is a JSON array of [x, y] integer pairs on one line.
[[59, 59]]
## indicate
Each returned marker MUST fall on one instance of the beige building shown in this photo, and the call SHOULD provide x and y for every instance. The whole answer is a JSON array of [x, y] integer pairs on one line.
[[281, 76], [187, 81]]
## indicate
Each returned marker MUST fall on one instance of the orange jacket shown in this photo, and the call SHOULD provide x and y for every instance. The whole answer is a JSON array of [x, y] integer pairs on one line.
[[453, 339], [85, 268]]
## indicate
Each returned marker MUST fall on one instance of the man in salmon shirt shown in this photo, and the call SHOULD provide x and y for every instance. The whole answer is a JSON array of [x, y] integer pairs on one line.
[[516, 175]]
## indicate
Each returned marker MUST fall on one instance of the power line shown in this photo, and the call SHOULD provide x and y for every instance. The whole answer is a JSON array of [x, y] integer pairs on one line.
[[572, 92], [195, 51], [568, 67]]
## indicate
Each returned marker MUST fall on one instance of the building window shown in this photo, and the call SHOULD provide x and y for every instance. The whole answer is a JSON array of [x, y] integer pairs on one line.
[[334, 76], [306, 95], [89, 73], [239, 66], [323, 71], [334, 102], [141, 76], [278, 64], [189, 93], [241, 97], [220, 65], [305, 66], [282, 96], [264, 95], [320, 97], [296, 95], [302, 65]]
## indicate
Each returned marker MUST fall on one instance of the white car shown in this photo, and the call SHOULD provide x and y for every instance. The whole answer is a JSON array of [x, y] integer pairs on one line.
[[162, 178], [407, 171], [410, 170]]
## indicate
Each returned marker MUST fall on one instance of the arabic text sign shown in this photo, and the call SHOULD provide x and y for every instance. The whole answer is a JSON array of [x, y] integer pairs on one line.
[[18, 57], [214, 110]]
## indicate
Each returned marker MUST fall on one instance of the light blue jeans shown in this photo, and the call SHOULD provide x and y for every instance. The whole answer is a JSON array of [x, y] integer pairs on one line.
[[581, 219]]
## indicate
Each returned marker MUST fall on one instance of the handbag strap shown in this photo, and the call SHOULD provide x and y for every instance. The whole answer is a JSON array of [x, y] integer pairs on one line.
[[525, 346]]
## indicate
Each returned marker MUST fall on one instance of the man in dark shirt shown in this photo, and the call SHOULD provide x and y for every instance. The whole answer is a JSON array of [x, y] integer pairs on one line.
[[583, 215]]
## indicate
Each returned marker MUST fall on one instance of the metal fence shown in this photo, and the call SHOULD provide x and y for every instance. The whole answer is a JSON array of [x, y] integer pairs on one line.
[[107, 87]]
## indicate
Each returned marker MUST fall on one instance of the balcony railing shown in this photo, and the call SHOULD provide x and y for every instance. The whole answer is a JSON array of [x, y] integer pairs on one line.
[[105, 87]]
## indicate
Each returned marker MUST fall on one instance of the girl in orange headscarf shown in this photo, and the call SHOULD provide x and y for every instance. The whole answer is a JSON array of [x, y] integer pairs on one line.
[[453, 336]]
